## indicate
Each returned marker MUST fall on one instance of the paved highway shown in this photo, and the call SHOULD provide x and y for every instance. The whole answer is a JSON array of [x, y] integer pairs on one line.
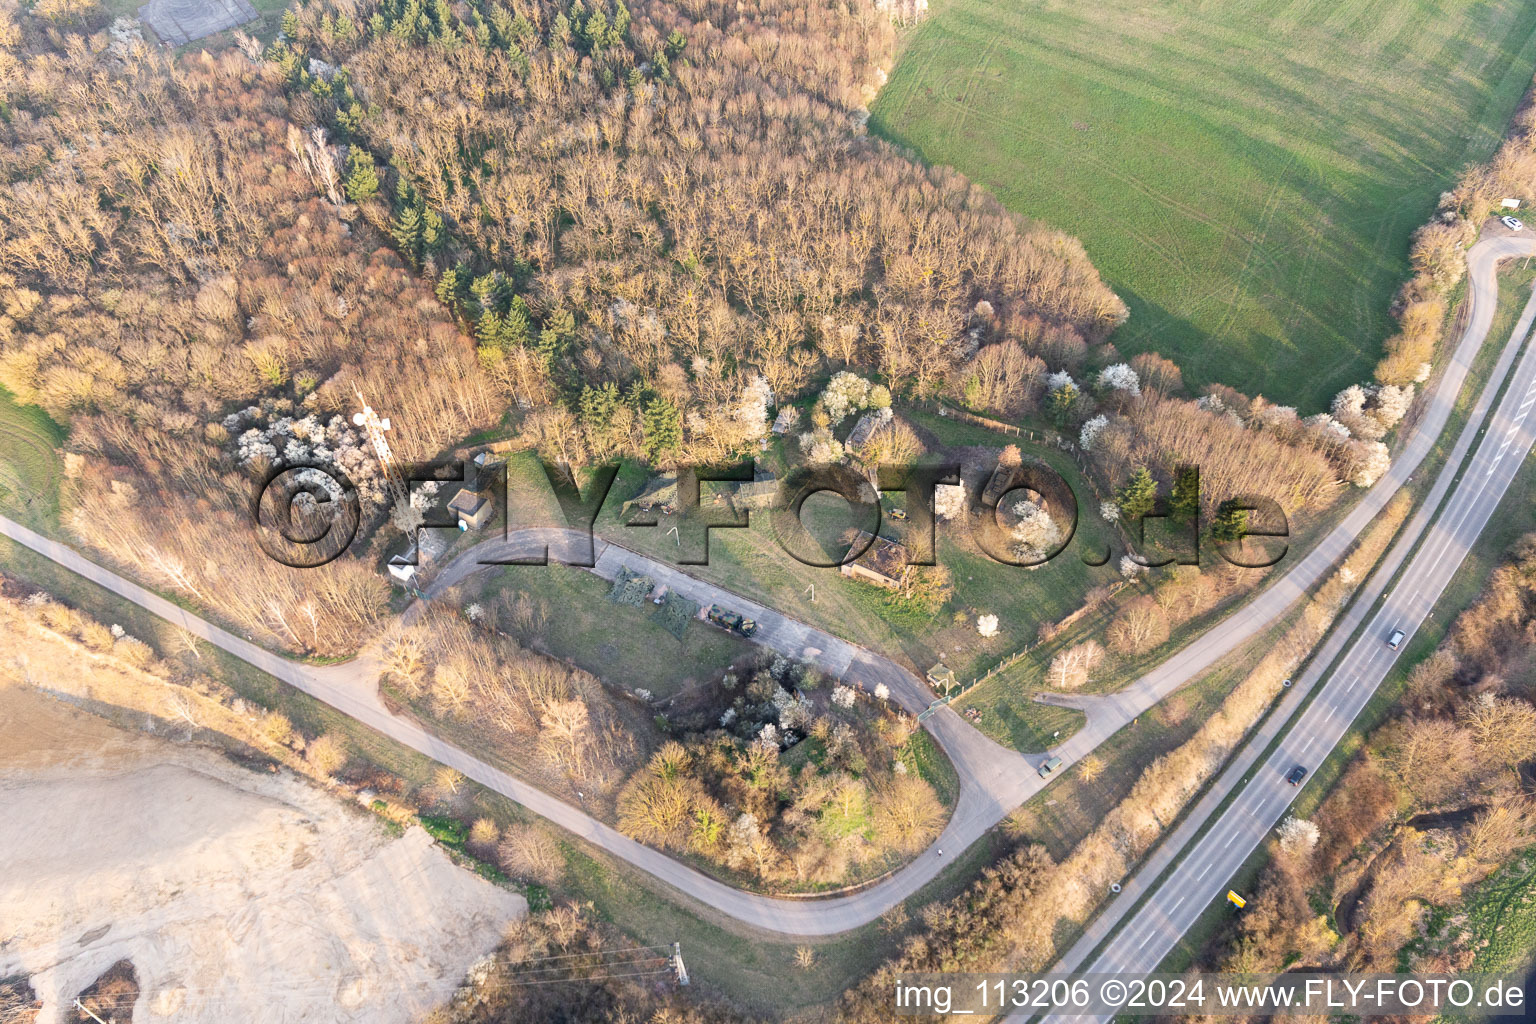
[[1475, 486], [994, 780]]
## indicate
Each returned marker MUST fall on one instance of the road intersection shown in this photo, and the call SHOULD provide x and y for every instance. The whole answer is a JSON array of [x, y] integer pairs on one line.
[[1223, 830], [994, 780]]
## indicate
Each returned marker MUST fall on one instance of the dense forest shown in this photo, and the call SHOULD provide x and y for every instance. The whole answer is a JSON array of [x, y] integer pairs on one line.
[[601, 232]]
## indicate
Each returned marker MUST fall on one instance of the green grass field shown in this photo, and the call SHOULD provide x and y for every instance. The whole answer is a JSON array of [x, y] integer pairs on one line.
[[621, 644], [30, 467], [751, 562], [1245, 176]]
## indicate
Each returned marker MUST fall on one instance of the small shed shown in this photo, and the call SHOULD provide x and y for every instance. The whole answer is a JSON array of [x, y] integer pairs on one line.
[[473, 503], [402, 566], [865, 428], [883, 563], [941, 677]]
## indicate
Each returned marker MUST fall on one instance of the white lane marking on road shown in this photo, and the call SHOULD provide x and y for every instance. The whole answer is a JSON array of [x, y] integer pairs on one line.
[[1177, 905], [1229, 840], [1144, 942]]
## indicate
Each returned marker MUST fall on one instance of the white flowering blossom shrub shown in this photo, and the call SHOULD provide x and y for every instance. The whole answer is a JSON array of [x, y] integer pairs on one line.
[[1298, 835], [1120, 377], [328, 442], [1280, 416], [1369, 411], [1036, 534], [846, 393], [793, 713], [882, 692], [1091, 430], [1349, 410], [842, 696], [1211, 403], [1327, 429], [728, 719], [1129, 567], [797, 715], [1392, 404], [756, 399], [1059, 380], [768, 735], [1371, 460], [986, 625], [1109, 511], [474, 612], [821, 448], [949, 501]]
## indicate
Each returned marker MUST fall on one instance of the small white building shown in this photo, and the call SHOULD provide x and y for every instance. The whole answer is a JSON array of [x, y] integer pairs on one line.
[[401, 566]]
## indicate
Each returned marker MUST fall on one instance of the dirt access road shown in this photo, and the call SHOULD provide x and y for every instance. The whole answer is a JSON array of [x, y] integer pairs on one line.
[[993, 779]]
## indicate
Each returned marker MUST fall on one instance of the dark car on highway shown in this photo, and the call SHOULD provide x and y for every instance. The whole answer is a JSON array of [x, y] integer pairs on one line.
[[1296, 775]]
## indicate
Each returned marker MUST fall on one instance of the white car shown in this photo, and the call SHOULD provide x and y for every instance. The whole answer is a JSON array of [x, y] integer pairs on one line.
[[1513, 223]]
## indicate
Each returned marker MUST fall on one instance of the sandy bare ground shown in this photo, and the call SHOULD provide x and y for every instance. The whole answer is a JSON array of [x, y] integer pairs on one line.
[[237, 895]]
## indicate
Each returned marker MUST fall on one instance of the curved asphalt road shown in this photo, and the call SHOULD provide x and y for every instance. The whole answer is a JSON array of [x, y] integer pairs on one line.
[[994, 780], [1475, 487]]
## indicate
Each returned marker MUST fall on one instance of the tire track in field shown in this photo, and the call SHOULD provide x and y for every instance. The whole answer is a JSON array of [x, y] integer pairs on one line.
[[1266, 216], [1111, 171]]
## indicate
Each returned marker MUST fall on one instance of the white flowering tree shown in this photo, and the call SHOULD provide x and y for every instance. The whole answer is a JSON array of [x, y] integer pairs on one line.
[[1091, 431], [949, 501], [1129, 567], [821, 448], [1058, 381], [1109, 511], [986, 625], [882, 692], [1120, 377], [1370, 461], [842, 696], [1036, 534], [1298, 835], [752, 411], [846, 393]]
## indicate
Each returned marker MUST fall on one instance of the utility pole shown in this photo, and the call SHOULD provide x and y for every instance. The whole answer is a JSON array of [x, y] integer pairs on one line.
[[677, 963]]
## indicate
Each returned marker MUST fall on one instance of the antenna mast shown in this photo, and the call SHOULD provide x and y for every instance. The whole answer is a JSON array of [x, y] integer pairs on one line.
[[370, 421]]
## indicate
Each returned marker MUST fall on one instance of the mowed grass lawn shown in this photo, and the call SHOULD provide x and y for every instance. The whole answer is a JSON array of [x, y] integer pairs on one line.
[[1246, 176], [621, 644], [30, 467], [751, 562]]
